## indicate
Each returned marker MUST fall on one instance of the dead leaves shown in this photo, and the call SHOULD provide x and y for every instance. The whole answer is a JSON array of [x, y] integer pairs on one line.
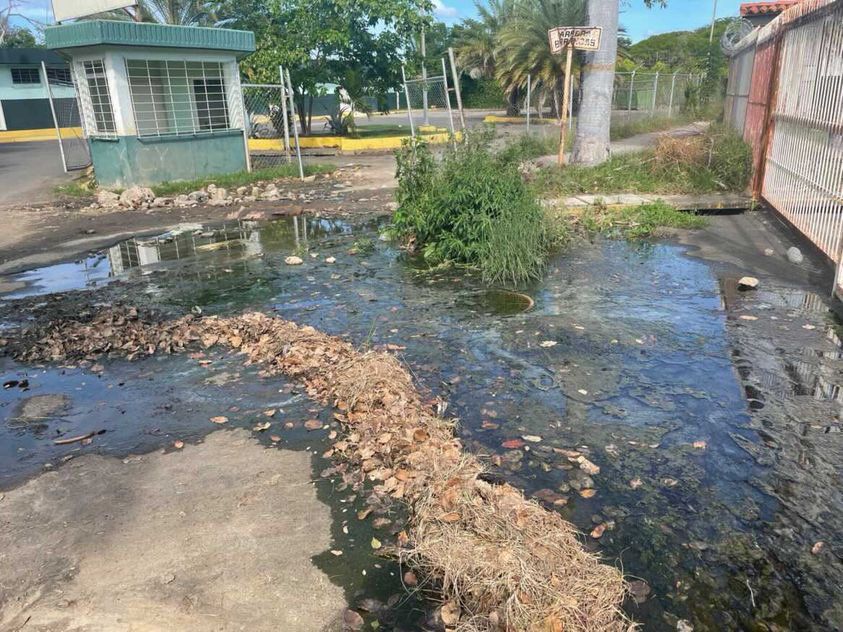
[[261, 427], [219, 420], [312, 424]]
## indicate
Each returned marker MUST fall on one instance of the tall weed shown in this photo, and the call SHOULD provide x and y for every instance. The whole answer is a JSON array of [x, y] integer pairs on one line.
[[470, 207]]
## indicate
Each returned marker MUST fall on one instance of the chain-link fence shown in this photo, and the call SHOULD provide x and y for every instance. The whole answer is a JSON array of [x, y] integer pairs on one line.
[[427, 101], [64, 103], [664, 94], [270, 124]]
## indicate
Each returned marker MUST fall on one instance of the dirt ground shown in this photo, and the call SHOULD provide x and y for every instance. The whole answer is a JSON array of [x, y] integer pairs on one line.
[[217, 536], [37, 235]]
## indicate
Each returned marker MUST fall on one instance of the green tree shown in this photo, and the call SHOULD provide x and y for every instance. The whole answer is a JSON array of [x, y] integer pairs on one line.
[[17, 38], [358, 42], [523, 48]]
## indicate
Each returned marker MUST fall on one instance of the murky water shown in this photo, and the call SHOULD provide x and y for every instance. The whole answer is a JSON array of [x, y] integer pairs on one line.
[[717, 436]]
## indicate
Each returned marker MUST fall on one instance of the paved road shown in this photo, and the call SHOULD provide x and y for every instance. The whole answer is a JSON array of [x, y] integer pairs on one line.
[[29, 172]]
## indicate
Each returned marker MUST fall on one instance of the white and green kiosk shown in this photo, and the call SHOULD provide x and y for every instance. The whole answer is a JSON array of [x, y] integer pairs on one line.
[[159, 103]]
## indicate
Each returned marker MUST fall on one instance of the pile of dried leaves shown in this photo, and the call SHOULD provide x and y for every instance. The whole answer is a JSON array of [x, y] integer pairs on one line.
[[504, 562]]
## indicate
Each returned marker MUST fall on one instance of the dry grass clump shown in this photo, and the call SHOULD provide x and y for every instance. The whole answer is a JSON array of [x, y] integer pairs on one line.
[[685, 152], [503, 563]]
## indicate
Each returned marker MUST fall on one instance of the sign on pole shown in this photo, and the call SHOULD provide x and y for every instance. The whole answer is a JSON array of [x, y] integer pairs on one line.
[[569, 38], [73, 9], [582, 37]]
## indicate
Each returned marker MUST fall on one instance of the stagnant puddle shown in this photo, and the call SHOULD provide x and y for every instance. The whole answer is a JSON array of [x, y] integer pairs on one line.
[[712, 414]]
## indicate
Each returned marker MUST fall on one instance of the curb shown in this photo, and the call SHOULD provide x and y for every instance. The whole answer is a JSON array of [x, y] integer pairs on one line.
[[38, 135]]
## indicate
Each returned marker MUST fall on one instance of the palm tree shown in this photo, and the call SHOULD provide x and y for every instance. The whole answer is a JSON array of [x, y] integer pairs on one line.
[[177, 12], [523, 47], [477, 44], [180, 12], [591, 143]]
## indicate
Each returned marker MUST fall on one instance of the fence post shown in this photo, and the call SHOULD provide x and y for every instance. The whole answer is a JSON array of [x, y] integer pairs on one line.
[[672, 88], [655, 93], [286, 121], [295, 127], [425, 119], [631, 86], [529, 97], [246, 127], [456, 79], [448, 102], [407, 96], [55, 119]]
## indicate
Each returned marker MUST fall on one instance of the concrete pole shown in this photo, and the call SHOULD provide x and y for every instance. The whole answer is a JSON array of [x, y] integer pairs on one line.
[[672, 89]]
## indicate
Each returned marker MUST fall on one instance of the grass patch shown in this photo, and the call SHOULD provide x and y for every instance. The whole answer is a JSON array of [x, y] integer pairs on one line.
[[715, 161], [470, 207], [73, 189], [632, 222], [529, 147], [239, 179]]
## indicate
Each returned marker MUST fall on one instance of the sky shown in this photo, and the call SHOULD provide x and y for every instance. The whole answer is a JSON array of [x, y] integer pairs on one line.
[[639, 21]]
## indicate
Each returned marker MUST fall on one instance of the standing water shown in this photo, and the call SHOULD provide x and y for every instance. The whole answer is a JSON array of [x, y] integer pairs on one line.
[[711, 414]]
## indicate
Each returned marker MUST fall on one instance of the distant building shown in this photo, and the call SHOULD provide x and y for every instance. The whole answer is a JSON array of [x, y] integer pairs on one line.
[[23, 88], [760, 13]]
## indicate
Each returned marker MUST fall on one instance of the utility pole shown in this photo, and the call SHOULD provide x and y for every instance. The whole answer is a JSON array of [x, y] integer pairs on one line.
[[713, 20]]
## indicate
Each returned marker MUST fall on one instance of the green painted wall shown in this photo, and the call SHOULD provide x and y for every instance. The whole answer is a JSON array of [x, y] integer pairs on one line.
[[128, 160]]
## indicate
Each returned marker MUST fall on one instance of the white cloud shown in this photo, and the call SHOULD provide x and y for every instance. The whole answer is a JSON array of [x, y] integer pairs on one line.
[[443, 10]]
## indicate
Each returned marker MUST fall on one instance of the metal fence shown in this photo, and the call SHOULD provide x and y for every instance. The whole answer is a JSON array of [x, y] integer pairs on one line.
[[794, 120], [428, 104], [272, 136], [654, 93], [64, 104]]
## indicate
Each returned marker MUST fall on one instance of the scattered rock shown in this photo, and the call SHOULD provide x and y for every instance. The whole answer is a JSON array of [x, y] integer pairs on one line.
[[199, 197], [161, 202], [817, 548], [351, 621], [410, 579], [330, 260], [683, 625], [293, 261], [794, 255], [547, 344], [242, 191], [747, 283], [108, 199], [135, 197], [769, 252], [640, 590]]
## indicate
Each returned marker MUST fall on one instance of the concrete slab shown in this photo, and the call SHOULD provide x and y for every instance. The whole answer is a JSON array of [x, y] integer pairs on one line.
[[217, 536]]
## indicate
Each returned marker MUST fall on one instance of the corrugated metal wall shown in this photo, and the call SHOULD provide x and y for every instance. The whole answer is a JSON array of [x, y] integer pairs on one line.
[[794, 120]]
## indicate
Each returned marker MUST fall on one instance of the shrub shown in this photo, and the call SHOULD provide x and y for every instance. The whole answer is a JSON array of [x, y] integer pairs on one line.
[[470, 207]]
